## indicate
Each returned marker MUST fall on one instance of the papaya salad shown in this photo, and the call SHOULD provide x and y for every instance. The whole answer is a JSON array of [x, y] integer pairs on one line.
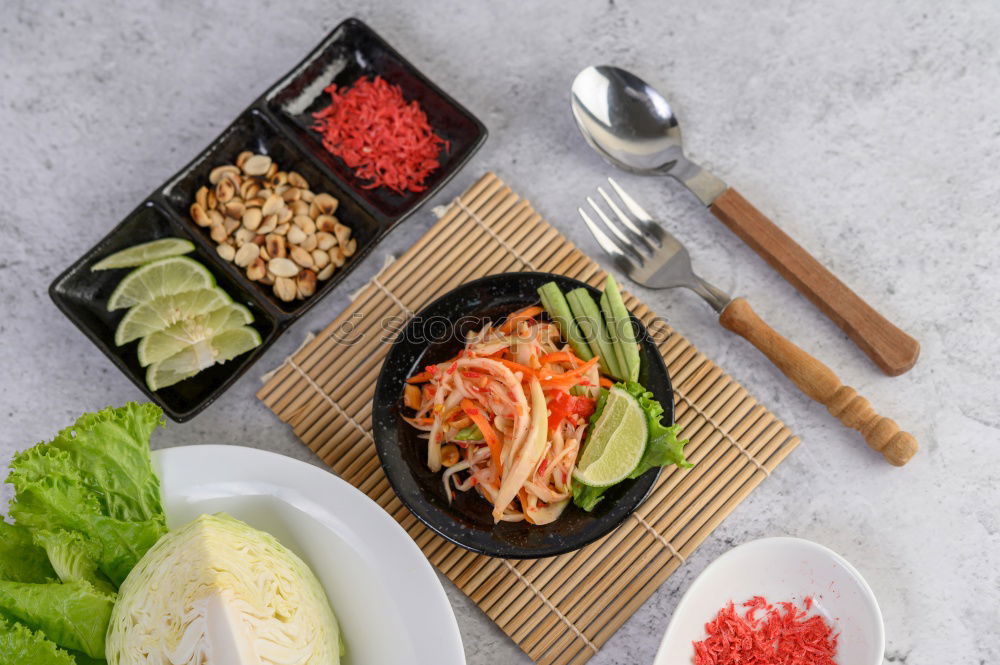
[[542, 409]]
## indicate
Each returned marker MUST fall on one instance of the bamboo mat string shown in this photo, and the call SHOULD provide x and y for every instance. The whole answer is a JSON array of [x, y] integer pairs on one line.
[[548, 603], [329, 400], [659, 536], [725, 435], [491, 232], [560, 610], [392, 296]]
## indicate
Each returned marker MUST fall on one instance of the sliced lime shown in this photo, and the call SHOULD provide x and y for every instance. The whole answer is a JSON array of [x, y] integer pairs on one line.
[[182, 365], [165, 277], [160, 345], [616, 443], [138, 255], [230, 343], [194, 358], [165, 311]]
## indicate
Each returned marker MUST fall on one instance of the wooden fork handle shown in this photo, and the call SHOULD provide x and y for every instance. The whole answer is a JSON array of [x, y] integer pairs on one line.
[[889, 347], [820, 383]]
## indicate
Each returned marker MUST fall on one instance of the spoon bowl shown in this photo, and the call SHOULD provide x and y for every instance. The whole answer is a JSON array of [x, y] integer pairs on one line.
[[631, 125], [627, 121]]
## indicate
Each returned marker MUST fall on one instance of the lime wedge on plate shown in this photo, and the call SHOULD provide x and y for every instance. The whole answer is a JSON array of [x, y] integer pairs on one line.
[[165, 343], [616, 443], [165, 277], [138, 255], [192, 359], [165, 311]]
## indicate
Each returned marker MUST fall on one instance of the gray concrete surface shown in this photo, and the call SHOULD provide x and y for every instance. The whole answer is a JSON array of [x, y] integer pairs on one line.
[[869, 131]]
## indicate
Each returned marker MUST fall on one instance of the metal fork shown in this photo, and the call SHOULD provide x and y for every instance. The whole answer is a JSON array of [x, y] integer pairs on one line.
[[658, 260], [651, 256]]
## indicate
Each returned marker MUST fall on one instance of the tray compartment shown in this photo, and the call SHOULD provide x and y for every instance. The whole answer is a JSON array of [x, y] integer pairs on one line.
[[82, 295], [352, 51], [255, 131]]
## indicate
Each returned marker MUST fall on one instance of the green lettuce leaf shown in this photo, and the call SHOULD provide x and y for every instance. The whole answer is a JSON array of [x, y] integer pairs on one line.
[[109, 451], [21, 560], [19, 644], [662, 447], [74, 615], [74, 557], [57, 503], [84, 480]]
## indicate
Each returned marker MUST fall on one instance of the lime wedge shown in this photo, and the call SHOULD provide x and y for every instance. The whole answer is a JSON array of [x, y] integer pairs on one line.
[[231, 343], [138, 255], [160, 345], [616, 443], [192, 359], [165, 277], [165, 311]]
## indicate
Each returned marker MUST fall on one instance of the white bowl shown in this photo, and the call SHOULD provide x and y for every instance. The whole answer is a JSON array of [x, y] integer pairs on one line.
[[781, 569], [388, 600]]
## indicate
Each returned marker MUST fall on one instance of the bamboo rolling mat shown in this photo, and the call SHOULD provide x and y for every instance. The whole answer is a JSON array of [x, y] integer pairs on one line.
[[559, 610]]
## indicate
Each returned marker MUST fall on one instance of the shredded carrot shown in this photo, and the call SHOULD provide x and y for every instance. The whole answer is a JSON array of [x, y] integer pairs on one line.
[[518, 316], [559, 357], [422, 377], [517, 367], [605, 382], [489, 434], [567, 379]]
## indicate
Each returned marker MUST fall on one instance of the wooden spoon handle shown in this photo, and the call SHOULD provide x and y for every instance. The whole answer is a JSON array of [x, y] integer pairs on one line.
[[889, 347], [820, 383]]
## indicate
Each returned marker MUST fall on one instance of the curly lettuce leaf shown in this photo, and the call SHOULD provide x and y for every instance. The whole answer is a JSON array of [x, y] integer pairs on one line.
[[663, 448], [20, 644], [21, 560], [95, 478], [74, 615], [58, 503], [109, 451], [74, 557]]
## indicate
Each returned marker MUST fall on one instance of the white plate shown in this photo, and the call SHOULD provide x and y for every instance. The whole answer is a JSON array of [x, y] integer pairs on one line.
[[781, 569], [387, 598]]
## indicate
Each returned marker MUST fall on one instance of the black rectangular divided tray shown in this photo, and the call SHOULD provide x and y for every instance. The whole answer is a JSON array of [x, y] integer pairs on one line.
[[277, 124]]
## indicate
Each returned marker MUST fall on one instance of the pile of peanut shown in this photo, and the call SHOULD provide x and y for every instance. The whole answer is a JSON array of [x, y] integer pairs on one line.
[[270, 223]]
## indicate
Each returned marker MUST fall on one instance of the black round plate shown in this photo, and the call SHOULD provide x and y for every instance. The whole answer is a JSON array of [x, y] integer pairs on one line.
[[427, 338]]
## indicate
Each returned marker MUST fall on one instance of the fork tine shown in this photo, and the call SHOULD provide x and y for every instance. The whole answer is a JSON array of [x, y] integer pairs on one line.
[[626, 220], [631, 204], [606, 243], [623, 240]]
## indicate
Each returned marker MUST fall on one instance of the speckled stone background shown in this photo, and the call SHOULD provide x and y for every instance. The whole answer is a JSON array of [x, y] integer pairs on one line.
[[869, 130]]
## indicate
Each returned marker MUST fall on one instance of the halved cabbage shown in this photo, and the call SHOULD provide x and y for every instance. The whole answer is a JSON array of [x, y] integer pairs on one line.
[[219, 592]]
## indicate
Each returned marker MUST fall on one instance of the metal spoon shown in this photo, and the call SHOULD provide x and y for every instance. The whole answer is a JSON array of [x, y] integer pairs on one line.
[[631, 125]]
